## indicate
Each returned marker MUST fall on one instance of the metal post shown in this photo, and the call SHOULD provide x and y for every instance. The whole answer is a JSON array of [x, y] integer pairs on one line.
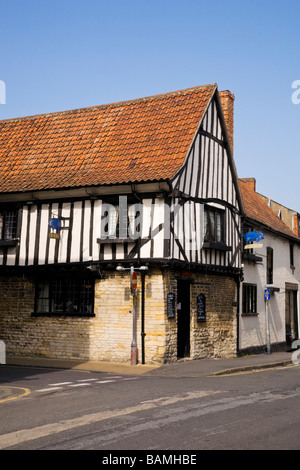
[[268, 328], [133, 285], [133, 344], [143, 334]]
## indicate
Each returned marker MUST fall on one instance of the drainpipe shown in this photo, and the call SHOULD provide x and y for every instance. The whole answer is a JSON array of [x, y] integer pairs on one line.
[[238, 318], [143, 334]]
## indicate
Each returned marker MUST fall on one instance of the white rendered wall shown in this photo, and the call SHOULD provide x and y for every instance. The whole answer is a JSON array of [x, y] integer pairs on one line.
[[253, 327]]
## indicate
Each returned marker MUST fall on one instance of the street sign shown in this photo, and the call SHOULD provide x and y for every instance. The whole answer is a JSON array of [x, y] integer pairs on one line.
[[267, 295], [133, 282]]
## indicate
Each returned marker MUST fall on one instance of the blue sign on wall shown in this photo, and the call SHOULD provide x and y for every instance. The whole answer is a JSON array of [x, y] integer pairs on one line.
[[267, 295], [252, 237]]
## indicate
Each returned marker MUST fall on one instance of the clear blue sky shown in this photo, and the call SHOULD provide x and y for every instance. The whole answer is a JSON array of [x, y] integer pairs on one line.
[[65, 54]]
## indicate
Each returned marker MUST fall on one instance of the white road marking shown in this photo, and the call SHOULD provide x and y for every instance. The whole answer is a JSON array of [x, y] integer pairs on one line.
[[49, 389], [86, 380], [62, 383], [24, 435], [113, 377], [79, 385], [104, 381]]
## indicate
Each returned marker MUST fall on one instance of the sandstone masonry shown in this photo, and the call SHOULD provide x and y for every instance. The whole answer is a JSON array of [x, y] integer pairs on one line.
[[107, 336]]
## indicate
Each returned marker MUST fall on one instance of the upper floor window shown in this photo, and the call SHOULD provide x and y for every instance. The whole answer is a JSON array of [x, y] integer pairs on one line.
[[214, 225], [292, 261], [8, 224], [269, 265], [121, 222]]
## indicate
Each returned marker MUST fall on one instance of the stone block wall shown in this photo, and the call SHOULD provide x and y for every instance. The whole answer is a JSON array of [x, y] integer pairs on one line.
[[216, 337], [108, 335]]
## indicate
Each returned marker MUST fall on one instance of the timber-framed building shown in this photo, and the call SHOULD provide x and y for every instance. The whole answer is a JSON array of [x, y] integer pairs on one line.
[[145, 183]]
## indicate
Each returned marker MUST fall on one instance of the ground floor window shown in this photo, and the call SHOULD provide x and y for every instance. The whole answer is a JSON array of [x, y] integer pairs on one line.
[[249, 298], [65, 296]]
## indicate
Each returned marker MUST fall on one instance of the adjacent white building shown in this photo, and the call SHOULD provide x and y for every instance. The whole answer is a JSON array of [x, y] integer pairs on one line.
[[273, 263]]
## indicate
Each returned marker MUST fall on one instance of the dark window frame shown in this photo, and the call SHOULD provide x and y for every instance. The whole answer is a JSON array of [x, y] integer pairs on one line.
[[211, 215], [292, 256], [270, 266], [8, 224], [66, 291], [249, 299], [117, 229]]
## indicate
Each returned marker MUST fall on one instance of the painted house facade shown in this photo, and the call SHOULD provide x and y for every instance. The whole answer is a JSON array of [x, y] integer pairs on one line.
[[273, 264], [88, 195]]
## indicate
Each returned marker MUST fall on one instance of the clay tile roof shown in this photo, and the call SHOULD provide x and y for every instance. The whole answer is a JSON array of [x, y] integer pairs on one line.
[[140, 140], [257, 210]]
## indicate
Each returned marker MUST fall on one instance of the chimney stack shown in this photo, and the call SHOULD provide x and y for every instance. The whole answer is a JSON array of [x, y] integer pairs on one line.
[[251, 183], [227, 101]]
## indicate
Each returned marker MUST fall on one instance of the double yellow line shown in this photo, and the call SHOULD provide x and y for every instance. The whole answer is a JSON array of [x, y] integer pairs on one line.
[[25, 392]]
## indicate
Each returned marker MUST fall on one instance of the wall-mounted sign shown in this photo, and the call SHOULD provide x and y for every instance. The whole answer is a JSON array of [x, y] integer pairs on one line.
[[171, 305], [267, 295], [252, 239], [55, 228], [133, 282], [201, 307]]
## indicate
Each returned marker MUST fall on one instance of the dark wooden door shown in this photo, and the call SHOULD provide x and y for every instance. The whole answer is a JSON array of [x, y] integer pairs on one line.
[[291, 317], [183, 319]]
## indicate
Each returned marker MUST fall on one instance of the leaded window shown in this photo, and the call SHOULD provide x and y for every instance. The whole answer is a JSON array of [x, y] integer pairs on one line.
[[73, 296]]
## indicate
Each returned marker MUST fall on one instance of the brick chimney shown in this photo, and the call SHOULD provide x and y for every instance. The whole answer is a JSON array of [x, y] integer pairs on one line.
[[251, 183], [227, 101], [296, 224]]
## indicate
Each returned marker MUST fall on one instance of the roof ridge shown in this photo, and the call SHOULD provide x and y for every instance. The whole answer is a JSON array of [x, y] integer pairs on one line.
[[110, 105]]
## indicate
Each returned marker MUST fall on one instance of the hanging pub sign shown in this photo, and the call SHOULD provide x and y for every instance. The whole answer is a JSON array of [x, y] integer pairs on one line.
[[252, 239], [171, 305], [55, 228], [201, 308]]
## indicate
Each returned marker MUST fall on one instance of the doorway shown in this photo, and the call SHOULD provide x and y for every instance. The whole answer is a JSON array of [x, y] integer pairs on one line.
[[291, 316], [183, 318]]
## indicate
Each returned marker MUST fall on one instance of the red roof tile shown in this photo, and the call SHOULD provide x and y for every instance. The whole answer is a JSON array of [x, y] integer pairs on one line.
[[257, 210], [140, 140]]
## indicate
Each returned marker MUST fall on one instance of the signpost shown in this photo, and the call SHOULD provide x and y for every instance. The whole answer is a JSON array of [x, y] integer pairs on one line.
[[133, 288], [133, 282], [267, 300], [267, 295], [133, 285]]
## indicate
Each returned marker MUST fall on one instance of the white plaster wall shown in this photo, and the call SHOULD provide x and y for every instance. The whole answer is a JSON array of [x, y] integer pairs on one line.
[[253, 327]]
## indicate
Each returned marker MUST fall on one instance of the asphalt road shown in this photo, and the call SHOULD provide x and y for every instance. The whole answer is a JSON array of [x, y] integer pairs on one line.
[[77, 410]]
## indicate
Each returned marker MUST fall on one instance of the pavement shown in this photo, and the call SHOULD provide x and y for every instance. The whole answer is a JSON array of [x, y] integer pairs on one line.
[[181, 368]]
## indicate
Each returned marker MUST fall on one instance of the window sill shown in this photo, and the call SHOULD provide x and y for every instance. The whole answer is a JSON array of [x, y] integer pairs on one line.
[[251, 257], [103, 241], [62, 314], [8, 242], [250, 314], [274, 289], [217, 246]]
